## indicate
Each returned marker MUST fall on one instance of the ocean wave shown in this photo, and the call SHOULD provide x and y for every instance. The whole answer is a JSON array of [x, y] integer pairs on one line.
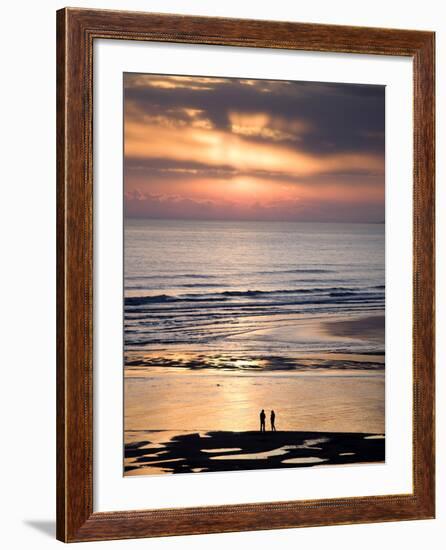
[[201, 285], [302, 270], [224, 274], [212, 311], [262, 292], [170, 276], [226, 295], [165, 298]]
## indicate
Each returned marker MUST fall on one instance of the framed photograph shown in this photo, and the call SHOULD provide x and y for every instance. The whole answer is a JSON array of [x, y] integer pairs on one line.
[[245, 275]]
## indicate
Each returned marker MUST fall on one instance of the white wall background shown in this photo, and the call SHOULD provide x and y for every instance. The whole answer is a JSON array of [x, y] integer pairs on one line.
[[27, 306]]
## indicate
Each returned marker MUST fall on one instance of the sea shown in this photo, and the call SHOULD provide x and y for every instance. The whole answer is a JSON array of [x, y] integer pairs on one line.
[[221, 286]]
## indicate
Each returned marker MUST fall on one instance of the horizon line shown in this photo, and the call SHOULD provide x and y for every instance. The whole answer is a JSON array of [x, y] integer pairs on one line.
[[147, 218]]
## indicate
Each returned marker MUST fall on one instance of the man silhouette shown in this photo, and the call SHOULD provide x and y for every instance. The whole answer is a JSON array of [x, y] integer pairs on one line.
[[262, 421], [273, 419]]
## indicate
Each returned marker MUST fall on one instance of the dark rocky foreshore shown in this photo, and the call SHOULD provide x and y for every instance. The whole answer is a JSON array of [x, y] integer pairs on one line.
[[252, 450]]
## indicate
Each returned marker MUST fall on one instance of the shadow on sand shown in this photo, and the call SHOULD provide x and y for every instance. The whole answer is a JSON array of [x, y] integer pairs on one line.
[[226, 451]]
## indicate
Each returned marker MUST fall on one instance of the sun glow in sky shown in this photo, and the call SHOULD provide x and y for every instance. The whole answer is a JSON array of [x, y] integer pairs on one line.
[[219, 148]]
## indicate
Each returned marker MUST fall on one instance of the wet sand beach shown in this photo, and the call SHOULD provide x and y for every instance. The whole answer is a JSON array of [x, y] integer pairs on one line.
[[203, 409], [340, 329], [369, 328]]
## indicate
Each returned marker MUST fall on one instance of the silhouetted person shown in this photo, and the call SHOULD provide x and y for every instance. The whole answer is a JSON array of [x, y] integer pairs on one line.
[[273, 419], [262, 421]]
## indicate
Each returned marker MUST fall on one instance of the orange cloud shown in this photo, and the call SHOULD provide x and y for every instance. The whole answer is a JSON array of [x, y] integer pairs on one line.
[[267, 126], [217, 148], [170, 82]]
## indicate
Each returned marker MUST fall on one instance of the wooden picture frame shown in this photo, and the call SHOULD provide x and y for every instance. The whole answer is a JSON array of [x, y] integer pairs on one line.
[[77, 29]]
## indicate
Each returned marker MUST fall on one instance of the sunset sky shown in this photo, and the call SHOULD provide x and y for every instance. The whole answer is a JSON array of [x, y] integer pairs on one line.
[[237, 149]]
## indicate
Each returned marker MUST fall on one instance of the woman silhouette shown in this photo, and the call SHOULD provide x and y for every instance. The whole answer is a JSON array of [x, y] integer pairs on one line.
[[273, 419]]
